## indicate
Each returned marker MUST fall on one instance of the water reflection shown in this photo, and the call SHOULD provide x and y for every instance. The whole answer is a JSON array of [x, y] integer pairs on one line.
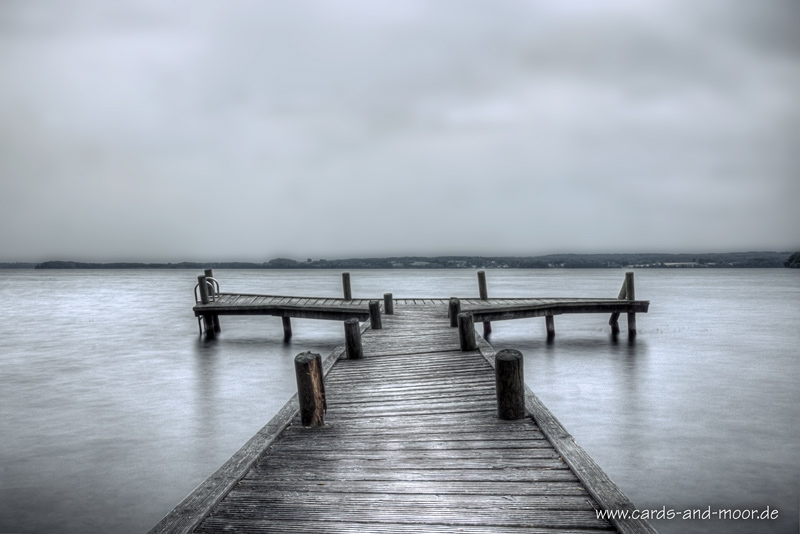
[[206, 410]]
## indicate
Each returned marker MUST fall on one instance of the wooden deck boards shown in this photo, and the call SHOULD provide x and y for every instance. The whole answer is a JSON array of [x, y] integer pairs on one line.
[[493, 309], [411, 444]]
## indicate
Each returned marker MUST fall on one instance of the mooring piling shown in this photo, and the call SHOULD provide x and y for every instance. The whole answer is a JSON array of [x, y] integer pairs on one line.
[[453, 309], [466, 331], [375, 315], [510, 384], [208, 321], [214, 318], [287, 328], [352, 340], [310, 388], [484, 293], [348, 295], [630, 295], [550, 325]]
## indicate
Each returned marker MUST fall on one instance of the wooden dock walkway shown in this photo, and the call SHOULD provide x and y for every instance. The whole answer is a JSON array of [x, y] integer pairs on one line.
[[211, 303], [412, 443]]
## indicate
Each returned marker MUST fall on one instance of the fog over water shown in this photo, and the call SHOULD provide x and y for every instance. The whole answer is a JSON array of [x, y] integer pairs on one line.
[[530, 127]]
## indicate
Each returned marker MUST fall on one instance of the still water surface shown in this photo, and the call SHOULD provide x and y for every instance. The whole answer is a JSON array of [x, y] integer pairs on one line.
[[112, 408]]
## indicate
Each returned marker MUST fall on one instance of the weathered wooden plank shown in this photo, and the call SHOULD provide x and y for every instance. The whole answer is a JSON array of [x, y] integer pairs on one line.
[[378, 388], [560, 488], [512, 455], [424, 502], [442, 445], [597, 482], [192, 509], [305, 526], [483, 468], [390, 513], [432, 394], [410, 435], [541, 310]]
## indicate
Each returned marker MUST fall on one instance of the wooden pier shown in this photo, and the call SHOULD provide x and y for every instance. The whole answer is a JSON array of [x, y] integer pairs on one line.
[[411, 433], [211, 303]]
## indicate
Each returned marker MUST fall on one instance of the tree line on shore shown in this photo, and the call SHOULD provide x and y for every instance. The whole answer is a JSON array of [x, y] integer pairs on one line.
[[551, 261]]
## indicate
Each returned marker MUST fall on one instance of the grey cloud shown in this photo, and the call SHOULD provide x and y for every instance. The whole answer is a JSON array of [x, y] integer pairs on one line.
[[121, 123]]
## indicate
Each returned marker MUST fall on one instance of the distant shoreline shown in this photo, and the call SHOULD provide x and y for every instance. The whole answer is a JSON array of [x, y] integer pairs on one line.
[[552, 261]]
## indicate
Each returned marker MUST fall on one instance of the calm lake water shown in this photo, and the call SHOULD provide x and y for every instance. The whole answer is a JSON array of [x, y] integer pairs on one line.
[[112, 408]]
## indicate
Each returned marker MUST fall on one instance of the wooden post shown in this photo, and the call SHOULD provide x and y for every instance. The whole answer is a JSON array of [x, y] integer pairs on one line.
[[631, 296], [287, 328], [201, 283], [375, 315], [208, 321], [510, 384], [614, 319], [310, 388], [208, 324], [352, 340], [388, 304], [453, 310], [466, 331], [348, 295], [214, 318], [487, 326], [614, 322], [550, 325], [482, 285]]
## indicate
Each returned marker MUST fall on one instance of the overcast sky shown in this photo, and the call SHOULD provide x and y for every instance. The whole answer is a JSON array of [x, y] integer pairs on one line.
[[182, 130]]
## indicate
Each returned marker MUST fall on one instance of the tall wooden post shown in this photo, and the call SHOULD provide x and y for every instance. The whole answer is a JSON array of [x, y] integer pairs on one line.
[[287, 328], [487, 326], [214, 318], [631, 296], [375, 315], [466, 331], [352, 340], [550, 325], [208, 321], [510, 384], [348, 295], [614, 319], [388, 304], [310, 388], [453, 310], [201, 285]]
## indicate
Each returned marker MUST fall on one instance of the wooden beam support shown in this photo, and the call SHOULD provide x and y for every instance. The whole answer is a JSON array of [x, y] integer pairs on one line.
[[375, 315], [466, 331], [487, 326], [352, 340], [214, 318], [310, 388], [510, 384], [614, 322], [348, 295], [208, 320], [453, 309], [201, 285], [631, 295], [287, 328], [388, 304]]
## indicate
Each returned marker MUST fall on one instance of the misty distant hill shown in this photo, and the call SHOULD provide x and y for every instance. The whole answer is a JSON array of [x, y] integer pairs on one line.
[[551, 261]]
